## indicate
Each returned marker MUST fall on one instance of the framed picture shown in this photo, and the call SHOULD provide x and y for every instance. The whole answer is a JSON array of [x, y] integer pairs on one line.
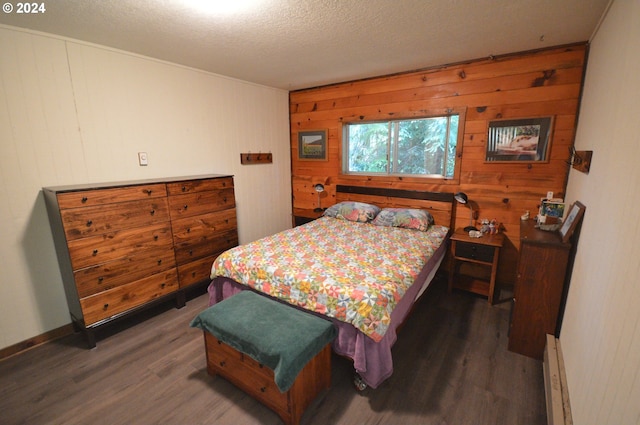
[[521, 140], [573, 218], [551, 211], [312, 145]]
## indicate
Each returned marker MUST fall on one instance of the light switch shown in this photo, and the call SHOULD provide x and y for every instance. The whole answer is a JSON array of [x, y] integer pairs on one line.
[[142, 158]]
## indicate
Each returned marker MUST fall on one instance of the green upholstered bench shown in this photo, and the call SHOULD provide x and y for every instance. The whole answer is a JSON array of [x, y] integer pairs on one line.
[[274, 352]]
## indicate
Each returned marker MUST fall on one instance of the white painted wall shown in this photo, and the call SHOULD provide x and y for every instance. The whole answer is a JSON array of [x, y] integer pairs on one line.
[[72, 113], [601, 330]]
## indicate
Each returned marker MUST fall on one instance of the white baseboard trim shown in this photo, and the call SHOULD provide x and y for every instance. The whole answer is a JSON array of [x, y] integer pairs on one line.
[[555, 384]]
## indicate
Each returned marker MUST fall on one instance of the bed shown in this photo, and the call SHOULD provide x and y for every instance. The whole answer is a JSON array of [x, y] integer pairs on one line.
[[363, 265]]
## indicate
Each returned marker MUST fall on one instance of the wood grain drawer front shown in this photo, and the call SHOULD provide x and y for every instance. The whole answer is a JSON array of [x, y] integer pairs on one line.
[[195, 271], [89, 221], [102, 277], [118, 300], [475, 252], [203, 185], [187, 250], [199, 203], [242, 371], [201, 227], [86, 198], [110, 246]]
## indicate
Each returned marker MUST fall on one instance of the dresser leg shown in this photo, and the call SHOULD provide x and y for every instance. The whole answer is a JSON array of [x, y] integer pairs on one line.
[[181, 299], [90, 336]]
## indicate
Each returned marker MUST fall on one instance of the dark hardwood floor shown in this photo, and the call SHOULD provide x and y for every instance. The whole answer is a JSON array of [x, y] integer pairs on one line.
[[451, 367]]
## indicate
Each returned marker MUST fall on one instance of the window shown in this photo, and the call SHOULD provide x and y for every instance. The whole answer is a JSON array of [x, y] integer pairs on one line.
[[409, 147]]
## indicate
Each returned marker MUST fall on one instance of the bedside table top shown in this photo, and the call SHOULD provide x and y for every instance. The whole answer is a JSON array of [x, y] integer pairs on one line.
[[308, 213], [492, 240]]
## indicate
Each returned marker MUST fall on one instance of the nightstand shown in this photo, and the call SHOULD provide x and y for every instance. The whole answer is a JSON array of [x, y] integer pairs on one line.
[[483, 252], [302, 216]]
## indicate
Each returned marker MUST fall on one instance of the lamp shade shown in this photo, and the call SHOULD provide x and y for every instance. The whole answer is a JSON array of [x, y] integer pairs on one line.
[[319, 188], [461, 197]]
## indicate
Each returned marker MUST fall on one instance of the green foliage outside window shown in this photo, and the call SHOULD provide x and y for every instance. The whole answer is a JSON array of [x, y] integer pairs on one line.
[[422, 147]]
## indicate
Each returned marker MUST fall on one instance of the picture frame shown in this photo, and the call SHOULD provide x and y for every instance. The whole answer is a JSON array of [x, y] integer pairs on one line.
[[551, 210], [312, 145], [571, 222], [519, 140]]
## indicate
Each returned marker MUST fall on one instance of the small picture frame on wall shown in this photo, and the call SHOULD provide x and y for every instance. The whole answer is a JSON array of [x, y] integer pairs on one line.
[[519, 140], [571, 222], [312, 145]]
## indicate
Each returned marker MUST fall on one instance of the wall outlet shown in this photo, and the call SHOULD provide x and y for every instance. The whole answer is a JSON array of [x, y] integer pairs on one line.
[[142, 159], [549, 195]]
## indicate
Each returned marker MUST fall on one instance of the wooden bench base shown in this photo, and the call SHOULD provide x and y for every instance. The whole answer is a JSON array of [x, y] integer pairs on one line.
[[258, 380]]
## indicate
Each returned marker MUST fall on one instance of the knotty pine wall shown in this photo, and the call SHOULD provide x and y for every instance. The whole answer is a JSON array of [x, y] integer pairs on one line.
[[525, 85]]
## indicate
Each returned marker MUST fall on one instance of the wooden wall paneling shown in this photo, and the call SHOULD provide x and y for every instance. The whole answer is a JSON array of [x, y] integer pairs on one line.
[[531, 84]]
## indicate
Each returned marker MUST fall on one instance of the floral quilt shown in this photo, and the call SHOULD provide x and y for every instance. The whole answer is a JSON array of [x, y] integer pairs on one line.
[[354, 272]]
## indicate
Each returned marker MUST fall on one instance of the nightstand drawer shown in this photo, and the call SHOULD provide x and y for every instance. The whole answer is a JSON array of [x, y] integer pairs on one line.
[[475, 251]]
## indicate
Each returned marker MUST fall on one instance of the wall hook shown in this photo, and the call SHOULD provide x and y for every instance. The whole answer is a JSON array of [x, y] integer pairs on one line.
[[580, 160]]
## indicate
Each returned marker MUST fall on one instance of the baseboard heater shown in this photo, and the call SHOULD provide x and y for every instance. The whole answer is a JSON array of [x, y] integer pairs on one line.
[[555, 384]]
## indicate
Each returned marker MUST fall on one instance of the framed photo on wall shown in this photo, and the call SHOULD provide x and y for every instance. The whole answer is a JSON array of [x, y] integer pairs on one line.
[[519, 140], [573, 218], [312, 145]]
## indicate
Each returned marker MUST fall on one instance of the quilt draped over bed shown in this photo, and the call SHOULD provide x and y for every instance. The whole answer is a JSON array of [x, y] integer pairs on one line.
[[355, 272]]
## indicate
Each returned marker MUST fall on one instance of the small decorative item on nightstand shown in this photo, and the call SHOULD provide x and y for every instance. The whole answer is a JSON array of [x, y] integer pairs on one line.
[[483, 251], [319, 188]]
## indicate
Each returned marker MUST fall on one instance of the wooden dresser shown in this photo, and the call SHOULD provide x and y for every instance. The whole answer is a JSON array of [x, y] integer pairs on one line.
[[122, 246], [542, 267]]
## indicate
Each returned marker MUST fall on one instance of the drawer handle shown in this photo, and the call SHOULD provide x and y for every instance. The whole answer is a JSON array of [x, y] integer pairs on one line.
[[224, 200], [100, 279], [224, 184], [263, 389], [149, 191], [191, 252], [155, 237], [184, 188], [188, 229], [106, 306], [186, 206], [153, 212], [223, 363], [84, 199], [226, 221], [162, 285], [193, 274], [95, 252], [159, 261], [89, 223]]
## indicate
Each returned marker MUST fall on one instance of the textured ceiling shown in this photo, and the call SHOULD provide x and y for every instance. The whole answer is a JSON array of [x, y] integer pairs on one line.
[[294, 44]]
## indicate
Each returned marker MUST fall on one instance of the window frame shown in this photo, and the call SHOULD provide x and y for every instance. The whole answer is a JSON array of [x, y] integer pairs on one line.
[[460, 111]]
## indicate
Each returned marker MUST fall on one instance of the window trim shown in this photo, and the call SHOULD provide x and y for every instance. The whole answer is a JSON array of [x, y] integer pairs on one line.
[[460, 111]]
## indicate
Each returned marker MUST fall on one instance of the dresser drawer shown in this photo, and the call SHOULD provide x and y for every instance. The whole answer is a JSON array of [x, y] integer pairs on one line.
[[86, 198], [117, 300], [475, 252], [199, 203], [89, 221], [188, 250], [203, 185], [102, 277], [195, 228], [110, 246], [196, 271]]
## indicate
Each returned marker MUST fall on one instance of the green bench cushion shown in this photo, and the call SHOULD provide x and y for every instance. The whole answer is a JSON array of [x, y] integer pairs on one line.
[[276, 335]]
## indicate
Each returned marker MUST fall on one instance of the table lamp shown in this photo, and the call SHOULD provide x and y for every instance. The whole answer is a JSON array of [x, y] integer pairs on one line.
[[462, 198]]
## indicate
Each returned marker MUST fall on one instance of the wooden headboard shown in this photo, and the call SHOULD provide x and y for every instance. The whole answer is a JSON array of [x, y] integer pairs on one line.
[[439, 204]]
